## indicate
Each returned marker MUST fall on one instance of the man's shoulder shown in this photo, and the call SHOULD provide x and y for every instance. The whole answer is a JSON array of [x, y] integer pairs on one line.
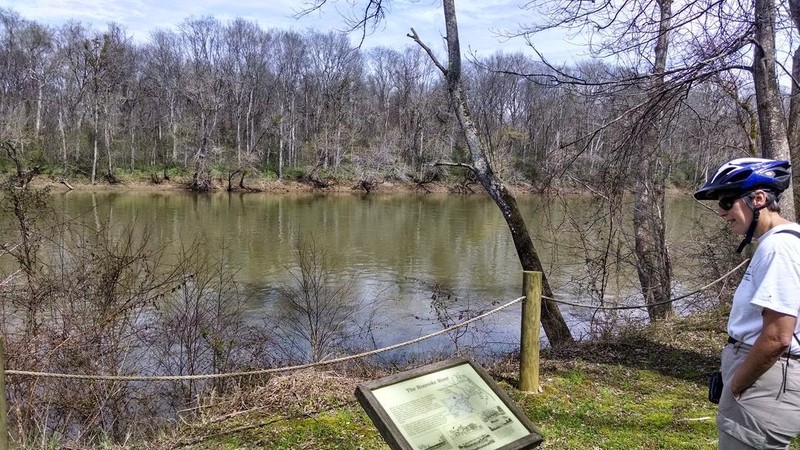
[[783, 239], [790, 231]]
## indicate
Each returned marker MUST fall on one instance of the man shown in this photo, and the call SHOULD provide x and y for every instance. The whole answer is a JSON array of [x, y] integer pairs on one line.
[[760, 403]]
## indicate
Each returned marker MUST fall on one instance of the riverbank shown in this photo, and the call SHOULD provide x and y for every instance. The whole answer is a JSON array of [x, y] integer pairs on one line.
[[265, 185], [644, 389], [152, 182]]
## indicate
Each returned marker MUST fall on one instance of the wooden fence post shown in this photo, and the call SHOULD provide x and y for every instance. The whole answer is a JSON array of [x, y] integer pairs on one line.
[[529, 338], [3, 409]]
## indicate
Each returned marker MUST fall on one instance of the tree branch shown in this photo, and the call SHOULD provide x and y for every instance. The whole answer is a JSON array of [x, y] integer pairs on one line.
[[413, 35], [454, 164], [373, 14]]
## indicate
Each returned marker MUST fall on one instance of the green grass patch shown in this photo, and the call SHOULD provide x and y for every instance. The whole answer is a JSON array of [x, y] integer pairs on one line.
[[644, 390], [615, 407]]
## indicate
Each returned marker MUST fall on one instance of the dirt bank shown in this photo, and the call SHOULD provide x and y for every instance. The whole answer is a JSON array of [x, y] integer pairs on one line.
[[270, 186]]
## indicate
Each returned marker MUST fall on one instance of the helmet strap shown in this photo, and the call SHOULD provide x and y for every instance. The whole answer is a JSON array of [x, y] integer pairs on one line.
[[750, 231], [753, 223]]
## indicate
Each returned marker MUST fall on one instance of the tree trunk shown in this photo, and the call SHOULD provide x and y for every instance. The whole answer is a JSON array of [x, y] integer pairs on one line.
[[774, 140], [39, 103], [281, 126], [94, 141], [238, 133], [201, 180], [133, 141], [652, 258], [63, 134], [794, 103], [553, 322], [173, 128], [107, 142]]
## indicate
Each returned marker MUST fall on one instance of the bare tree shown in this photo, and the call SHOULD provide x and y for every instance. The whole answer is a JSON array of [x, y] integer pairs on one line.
[[203, 90], [553, 322], [772, 120], [640, 33], [554, 325], [96, 58], [794, 102], [319, 311], [641, 156], [288, 65], [163, 73], [649, 216], [215, 96], [74, 81]]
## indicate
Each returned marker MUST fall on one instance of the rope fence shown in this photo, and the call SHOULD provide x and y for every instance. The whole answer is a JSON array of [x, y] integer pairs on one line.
[[672, 300], [263, 371], [128, 378], [529, 347]]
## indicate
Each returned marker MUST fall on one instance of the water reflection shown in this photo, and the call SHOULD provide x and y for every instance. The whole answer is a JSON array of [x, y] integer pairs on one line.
[[400, 249]]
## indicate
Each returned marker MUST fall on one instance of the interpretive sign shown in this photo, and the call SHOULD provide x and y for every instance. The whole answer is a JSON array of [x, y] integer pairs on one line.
[[451, 405]]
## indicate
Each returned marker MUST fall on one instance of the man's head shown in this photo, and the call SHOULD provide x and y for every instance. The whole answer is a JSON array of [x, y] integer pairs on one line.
[[742, 188]]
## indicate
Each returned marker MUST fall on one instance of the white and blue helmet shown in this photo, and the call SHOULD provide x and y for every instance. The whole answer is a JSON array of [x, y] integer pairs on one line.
[[744, 175]]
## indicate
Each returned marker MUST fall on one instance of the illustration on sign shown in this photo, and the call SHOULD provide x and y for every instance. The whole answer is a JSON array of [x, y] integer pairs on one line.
[[452, 409]]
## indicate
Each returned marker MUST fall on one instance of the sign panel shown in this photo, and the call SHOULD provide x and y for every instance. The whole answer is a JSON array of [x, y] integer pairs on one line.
[[452, 405]]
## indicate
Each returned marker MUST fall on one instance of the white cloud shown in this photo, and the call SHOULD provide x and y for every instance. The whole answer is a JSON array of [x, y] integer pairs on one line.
[[478, 21]]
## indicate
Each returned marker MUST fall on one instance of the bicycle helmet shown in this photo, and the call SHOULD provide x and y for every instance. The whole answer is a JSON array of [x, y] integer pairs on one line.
[[743, 175]]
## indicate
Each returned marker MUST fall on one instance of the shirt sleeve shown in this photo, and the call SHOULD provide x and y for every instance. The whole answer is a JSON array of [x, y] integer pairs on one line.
[[777, 281]]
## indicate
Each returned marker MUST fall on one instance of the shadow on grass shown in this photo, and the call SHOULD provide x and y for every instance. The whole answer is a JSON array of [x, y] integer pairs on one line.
[[643, 354], [683, 348]]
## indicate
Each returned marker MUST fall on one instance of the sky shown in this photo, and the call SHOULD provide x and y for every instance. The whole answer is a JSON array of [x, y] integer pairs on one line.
[[479, 21]]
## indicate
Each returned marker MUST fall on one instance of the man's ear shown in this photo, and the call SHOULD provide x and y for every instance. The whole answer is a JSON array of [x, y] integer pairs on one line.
[[759, 198]]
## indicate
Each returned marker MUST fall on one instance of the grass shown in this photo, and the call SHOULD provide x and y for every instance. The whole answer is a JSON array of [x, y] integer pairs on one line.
[[644, 389], [617, 407]]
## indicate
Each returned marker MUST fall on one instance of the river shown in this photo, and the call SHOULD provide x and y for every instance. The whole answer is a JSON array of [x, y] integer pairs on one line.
[[402, 251]]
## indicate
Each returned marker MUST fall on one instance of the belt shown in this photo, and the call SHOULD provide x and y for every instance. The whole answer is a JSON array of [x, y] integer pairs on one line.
[[733, 341]]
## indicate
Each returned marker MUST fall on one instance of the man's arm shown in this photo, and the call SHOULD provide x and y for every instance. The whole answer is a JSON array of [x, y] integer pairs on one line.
[[775, 338]]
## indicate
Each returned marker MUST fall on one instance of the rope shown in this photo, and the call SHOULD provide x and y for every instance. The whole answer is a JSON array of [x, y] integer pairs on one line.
[[263, 371], [350, 357], [614, 308]]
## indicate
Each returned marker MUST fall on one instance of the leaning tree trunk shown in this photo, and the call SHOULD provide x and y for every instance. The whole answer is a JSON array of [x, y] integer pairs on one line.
[[553, 322], [652, 258]]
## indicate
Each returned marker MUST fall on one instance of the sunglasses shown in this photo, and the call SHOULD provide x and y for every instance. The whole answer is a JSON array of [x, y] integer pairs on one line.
[[726, 203]]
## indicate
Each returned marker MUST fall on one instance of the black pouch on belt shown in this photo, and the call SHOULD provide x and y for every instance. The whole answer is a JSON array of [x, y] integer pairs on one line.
[[715, 387]]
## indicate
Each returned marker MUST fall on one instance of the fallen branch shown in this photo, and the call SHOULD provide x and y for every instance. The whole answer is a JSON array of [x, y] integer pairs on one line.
[[66, 183]]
